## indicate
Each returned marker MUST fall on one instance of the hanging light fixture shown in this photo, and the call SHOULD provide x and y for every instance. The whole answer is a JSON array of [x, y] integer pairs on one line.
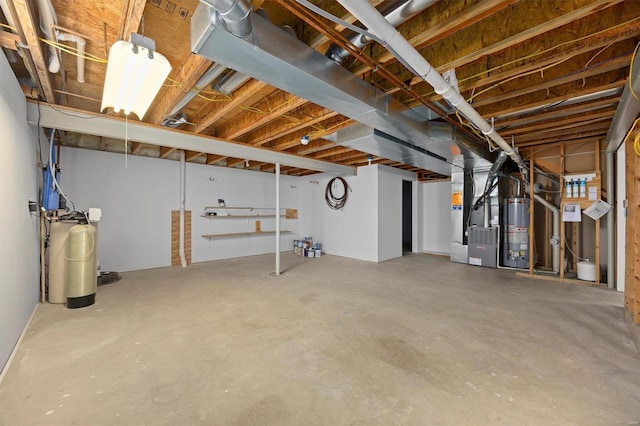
[[135, 74]]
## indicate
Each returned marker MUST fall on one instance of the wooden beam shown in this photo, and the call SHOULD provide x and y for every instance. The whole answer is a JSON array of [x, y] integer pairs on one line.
[[29, 32], [585, 131], [614, 64], [556, 113], [310, 115], [186, 76], [234, 162], [9, 40], [192, 155], [271, 108], [549, 126], [136, 147], [213, 159], [215, 111], [166, 151], [551, 101], [523, 36], [130, 18]]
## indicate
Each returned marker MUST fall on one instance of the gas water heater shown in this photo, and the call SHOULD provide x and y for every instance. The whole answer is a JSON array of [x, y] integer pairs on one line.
[[515, 251]]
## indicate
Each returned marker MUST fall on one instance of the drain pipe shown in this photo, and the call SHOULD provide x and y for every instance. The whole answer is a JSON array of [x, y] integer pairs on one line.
[[402, 49], [47, 21], [399, 15], [80, 45], [555, 236], [183, 186]]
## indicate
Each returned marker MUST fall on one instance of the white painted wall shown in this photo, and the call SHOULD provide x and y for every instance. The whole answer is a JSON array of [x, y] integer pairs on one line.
[[19, 230], [370, 226], [351, 232], [436, 217], [621, 218], [136, 204]]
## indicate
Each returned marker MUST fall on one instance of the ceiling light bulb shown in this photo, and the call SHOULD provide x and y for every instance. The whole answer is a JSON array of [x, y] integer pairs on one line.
[[304, 140]]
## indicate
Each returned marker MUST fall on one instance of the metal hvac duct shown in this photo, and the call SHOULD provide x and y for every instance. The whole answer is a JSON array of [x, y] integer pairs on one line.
[[272, 56], [627, 111]]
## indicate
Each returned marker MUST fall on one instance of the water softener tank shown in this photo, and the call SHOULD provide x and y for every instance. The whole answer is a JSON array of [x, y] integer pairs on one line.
[[515, 251], [82, 267]]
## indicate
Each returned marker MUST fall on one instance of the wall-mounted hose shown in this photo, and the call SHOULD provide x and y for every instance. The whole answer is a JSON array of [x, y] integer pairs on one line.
[[336, 203]]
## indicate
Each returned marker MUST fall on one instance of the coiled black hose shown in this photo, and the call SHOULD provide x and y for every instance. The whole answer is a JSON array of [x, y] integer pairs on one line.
[[336, 203]]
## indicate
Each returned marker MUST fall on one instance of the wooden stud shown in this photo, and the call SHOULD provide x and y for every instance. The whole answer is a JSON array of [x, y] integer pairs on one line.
[[531, 210], [29, 32], [130, 18]]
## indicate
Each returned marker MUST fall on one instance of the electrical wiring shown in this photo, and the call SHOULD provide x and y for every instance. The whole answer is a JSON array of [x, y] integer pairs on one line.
[[568, 246], [73, 51], [515, 77], [636, 144]]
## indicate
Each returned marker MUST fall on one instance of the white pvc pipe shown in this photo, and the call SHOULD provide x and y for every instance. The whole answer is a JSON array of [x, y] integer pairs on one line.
[[277, 219], [47, 21], [183, 184], [555, 237], [611, 239], [80, 45], [403, 50]]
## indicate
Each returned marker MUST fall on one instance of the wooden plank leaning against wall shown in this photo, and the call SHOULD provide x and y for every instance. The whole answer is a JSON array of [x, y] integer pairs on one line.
[[632, 274]]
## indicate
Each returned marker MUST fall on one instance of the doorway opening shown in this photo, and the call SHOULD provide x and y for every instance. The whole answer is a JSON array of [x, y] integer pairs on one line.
[[407, 213]]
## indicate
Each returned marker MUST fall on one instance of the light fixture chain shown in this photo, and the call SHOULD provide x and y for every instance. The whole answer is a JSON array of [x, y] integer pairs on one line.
[[126, 139]]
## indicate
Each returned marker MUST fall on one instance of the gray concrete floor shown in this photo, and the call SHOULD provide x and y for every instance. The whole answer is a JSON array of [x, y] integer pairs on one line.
[[416, 340]]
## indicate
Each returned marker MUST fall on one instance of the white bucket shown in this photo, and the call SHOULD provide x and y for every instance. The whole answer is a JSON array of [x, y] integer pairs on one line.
[[318, 252], [586, 271]]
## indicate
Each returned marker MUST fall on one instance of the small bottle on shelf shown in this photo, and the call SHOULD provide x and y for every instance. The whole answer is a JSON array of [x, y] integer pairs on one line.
[[583, 188], [575, 189], [567, 187]]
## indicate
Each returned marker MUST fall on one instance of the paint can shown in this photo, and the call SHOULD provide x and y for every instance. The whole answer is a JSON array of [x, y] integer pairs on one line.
[[317, 245], [311, 253], [305, 252], [318, 252]]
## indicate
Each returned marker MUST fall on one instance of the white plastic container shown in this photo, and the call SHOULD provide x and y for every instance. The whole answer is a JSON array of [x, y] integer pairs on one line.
[[586, 271]]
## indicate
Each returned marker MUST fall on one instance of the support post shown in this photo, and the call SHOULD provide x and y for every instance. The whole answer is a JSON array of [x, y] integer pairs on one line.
[[611, 226], [277, 219]]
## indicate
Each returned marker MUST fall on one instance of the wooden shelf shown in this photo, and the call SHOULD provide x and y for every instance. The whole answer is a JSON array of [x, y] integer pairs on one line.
[[244, 234]]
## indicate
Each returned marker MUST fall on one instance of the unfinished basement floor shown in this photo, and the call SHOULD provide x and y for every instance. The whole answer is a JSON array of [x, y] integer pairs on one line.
[[333, 341]]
